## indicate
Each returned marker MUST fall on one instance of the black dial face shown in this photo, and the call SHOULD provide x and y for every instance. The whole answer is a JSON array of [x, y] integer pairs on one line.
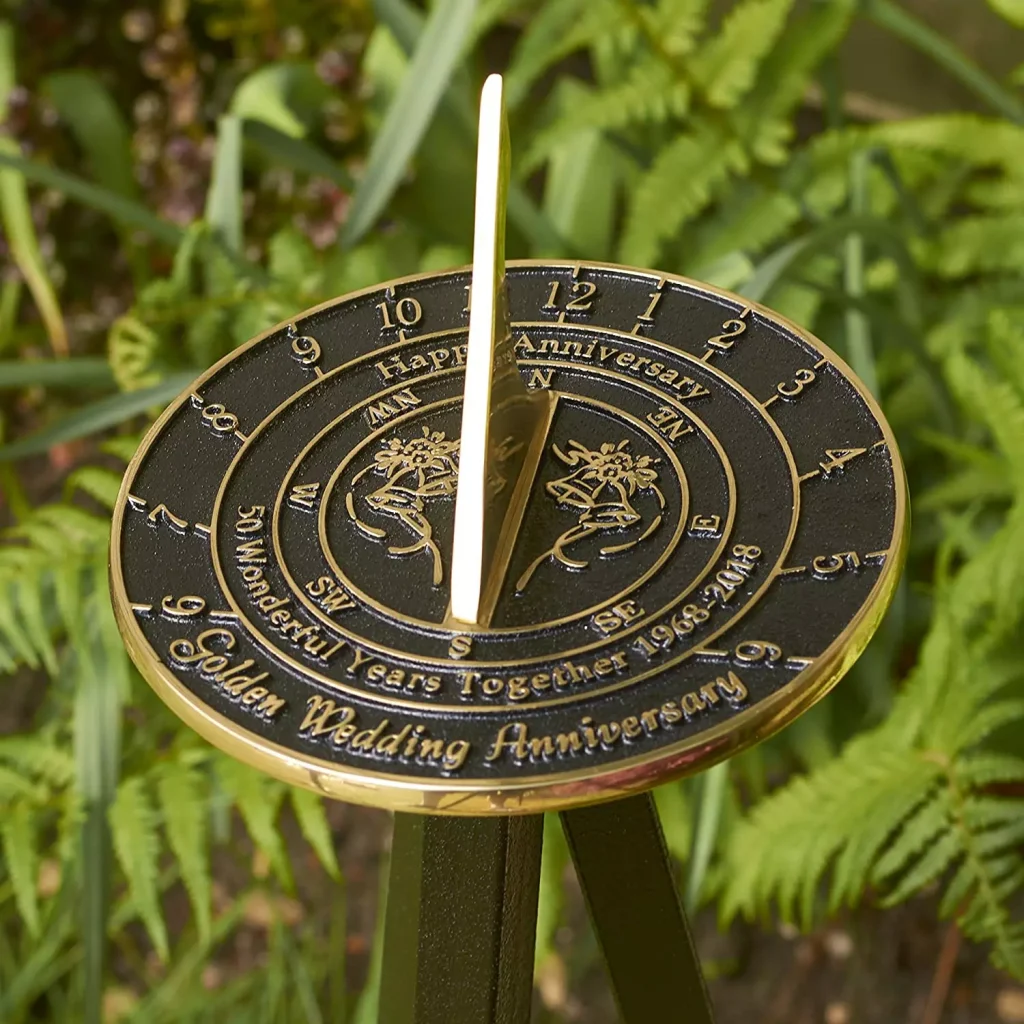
[[714, 530]]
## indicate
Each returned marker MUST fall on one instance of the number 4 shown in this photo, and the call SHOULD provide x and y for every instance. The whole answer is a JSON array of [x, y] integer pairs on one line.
[[836, 458]]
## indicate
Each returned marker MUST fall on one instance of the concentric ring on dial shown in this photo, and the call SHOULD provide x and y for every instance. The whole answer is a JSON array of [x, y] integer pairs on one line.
[[390, 699]]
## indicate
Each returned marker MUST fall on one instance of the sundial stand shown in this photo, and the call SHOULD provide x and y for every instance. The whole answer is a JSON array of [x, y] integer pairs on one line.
[[677, 520], [462, 909]]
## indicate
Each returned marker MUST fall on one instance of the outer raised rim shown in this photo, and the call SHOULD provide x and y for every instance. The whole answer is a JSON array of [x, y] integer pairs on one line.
[[528, 794]]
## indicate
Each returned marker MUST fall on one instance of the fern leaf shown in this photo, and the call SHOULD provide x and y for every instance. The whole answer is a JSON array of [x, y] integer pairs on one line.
[[749, 223], [132, 347], [133, 828], [678, 23], [182, 794], [676, 188], [943, 852], [18, 836], [727, 65], [970, 139], [781, 850], [560, 28], [985, 768], [312, 819], [981, 244], [258, 800], [918, 831], [98, 483]]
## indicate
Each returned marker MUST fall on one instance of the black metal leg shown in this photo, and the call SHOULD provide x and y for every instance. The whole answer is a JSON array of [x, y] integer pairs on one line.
[[461, 920], [623, 867]]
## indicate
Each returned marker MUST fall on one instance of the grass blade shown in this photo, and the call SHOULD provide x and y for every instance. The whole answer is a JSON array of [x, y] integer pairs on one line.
[[107, 412], [298, 154], [122, 210], [64, 373], [99, 129], [430, 70], [859, 350], [714, 783], [100, 677], [923, 37], [224, 199], [16, 214]]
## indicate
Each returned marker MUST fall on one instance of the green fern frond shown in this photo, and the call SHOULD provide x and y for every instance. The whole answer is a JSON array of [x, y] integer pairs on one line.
[[748, 223], [312, 818], [970, 139], [182, 792], [132, 347], [19, 842], [676, 188], [677, 24], [783, 78], [981, 244], [727, 65], [101, 484], [258, 799], [133, 826], [559, 29]]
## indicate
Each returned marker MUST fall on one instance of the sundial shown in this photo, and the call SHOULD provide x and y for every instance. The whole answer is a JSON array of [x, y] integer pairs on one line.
[[508, 538]]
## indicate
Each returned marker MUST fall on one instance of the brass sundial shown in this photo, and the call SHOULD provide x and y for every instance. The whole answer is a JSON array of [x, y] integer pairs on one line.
[[506, 539]]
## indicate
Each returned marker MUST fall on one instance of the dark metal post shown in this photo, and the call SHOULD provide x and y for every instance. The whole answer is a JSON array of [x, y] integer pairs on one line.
[[623, 867], [461, 920]]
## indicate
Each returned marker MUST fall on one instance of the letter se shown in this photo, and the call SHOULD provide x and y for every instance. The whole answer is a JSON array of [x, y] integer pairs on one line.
[[619, 615]]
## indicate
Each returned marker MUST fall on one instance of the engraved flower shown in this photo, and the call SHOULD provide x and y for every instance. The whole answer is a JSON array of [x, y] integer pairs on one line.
[[610, 466], [430, 457]]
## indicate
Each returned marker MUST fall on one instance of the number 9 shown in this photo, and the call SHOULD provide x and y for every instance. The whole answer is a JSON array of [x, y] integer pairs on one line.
[[306, 350]]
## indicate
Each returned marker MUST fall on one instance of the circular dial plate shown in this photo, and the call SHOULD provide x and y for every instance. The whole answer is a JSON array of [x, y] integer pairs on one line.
[[714, 530]]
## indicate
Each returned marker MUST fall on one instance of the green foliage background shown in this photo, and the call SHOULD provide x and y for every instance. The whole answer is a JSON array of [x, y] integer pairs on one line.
[[646, 133]]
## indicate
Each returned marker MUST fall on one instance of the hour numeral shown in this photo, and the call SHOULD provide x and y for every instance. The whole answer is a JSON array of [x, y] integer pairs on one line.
[[837, 562], [303, 496], [789, 390], [217, 418], [648, 315], [183, 607], [305, 349], [407, 312], [162, 512], [836, 458], [731, 330], [583, 292]]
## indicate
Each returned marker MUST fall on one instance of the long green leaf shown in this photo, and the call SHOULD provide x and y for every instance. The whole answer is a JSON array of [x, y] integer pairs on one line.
[[18, 835], [714, 785], [88, 108], [298, 154], [101, 415], [224, 199], [99, 672], [86, 372], [902, 23], [433, 62], [122, 210], [16, 214], [406, 24]]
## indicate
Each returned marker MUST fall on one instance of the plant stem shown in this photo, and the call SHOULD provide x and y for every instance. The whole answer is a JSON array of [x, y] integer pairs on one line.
[[714, 784], [921, 36], [859, 349]]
